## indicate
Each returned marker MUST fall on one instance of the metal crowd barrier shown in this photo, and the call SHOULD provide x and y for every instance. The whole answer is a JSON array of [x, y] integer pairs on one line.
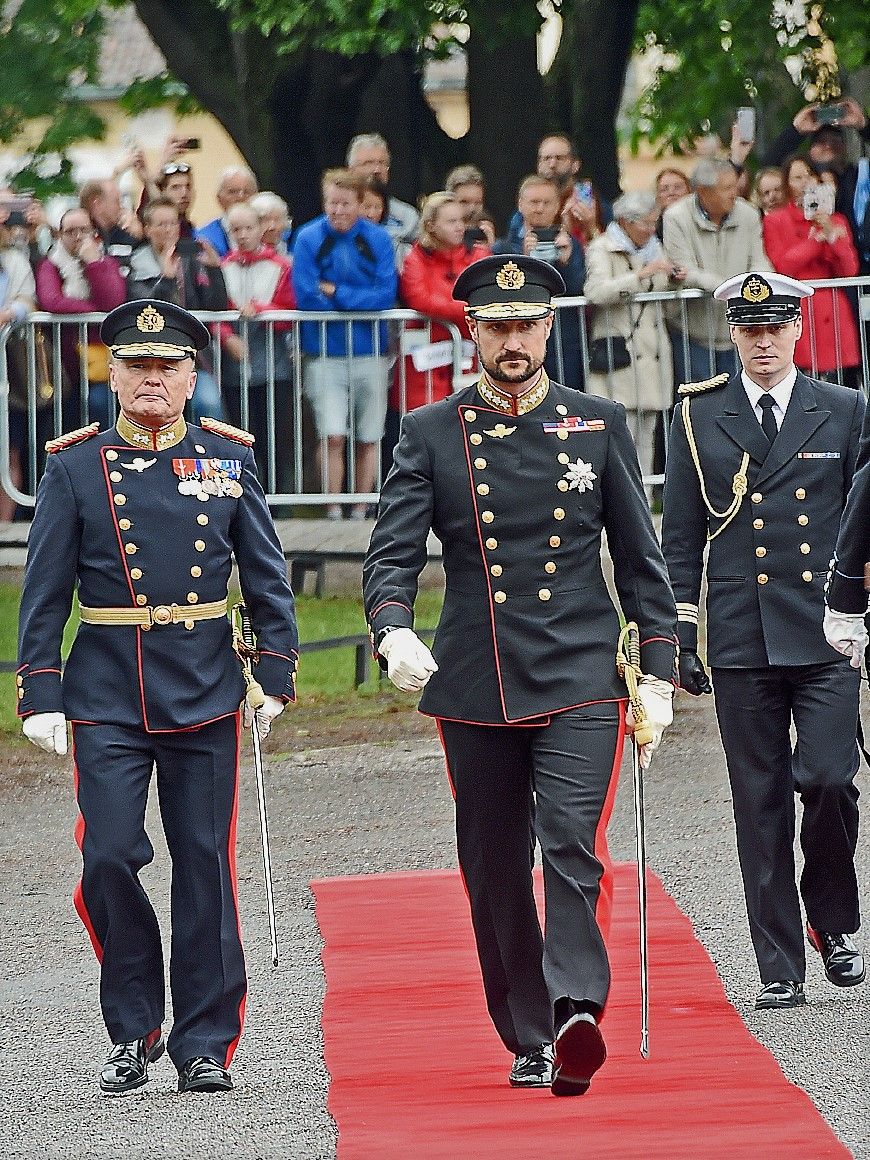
[[45, 386]]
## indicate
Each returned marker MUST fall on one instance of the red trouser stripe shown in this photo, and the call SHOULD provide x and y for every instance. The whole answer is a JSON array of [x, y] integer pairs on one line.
[[231, 857], [78, 893]]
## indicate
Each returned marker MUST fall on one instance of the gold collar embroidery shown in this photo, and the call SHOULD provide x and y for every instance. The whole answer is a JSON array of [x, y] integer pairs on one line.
[[138, 436], [493, 396]]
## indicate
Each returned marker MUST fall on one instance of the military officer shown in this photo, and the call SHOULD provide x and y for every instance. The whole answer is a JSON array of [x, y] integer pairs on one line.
[[519, 476], [759, 466], [844, 624], [144, 519]]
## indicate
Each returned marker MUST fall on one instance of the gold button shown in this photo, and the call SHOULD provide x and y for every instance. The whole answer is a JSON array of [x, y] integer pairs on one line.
[[562, 485], [483, 489], [141, 598], [559, 514], [196, 570], [555, 541], [131, 549], [188, 624], [761, 552], [562, 434], [475, 439], [550, 567], [487, 517], [19, 681], [805, 549], [202, 518], [563, 457], [120, 500], [192, 598], [470, 416], [756, 497], [561, 409], [199, 545], [495, 570], [806, 576], [492, 543], [759, 524], [803, 520], [762, 577], [145, 627], [124, 525], [136, 573], [20, 694], [801, 493], [115, 476], [199, 449], [499, 597], [543, 594], [480, 464], [111, 456]]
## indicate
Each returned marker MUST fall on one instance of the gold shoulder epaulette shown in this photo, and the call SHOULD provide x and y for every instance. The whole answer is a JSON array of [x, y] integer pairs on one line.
[[703, 385], [218, 428], [71, 437]]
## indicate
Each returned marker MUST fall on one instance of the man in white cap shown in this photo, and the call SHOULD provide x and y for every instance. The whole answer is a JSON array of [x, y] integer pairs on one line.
[[759, 467]]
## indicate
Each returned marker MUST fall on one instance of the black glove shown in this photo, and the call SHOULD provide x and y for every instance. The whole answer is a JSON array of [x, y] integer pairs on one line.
[[693, 675]]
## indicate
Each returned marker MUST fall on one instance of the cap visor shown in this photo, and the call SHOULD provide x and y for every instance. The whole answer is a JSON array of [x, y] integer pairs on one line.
[[501, 311], [153, 350], [747, 316]]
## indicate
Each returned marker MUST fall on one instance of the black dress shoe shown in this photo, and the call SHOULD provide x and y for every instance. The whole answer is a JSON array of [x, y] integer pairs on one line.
[[127, 1065], [204, 1075], [534, 1069], [579, 1052], [844, 963], [780, 994]]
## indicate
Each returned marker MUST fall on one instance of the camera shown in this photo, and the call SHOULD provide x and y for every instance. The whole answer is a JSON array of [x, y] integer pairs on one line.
[[473, 234], [829, 114], [188, 247], [545, 250]]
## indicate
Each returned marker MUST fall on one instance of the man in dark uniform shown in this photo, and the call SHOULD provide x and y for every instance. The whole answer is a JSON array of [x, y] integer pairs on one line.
[[759, 466], [144, 520], [519, 476], [844, 623]]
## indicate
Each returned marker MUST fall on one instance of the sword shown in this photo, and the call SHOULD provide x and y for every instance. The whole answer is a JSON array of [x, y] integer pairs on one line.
[[628, 667], [243, 643]]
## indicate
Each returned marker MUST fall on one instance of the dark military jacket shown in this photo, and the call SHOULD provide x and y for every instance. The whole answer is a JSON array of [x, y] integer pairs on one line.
[[519, 503], [847, 592], [133, 525], [767, 565]]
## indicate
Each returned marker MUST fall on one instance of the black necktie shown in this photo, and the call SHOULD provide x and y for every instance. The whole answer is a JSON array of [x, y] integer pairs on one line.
[[768, 423]]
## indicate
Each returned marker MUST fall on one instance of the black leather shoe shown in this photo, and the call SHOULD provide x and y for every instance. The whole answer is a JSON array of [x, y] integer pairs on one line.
[[204, 1075], [780, 994], [534, 1069], [127, 1065], [844, 963], [579, 1052]]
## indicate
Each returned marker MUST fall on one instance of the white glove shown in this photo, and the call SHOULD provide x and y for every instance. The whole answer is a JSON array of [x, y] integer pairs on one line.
[[409, 663], [657, 698], [265, 715], [847, 633], [48, 731]]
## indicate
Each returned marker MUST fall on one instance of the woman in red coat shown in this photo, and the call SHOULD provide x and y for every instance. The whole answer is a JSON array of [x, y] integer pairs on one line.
[[429, 271], [811, 248]]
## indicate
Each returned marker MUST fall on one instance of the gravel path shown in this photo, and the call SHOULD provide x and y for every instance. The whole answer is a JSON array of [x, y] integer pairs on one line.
[[358, 809]]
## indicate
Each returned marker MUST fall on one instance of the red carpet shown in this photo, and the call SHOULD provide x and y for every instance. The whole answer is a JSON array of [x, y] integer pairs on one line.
[[418, 1073]]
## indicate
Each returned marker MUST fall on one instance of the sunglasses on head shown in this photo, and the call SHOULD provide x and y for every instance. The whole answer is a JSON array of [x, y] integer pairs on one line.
[[176, 167]]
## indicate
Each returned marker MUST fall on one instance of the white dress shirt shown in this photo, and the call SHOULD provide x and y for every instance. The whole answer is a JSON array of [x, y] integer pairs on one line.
[[780, 394]]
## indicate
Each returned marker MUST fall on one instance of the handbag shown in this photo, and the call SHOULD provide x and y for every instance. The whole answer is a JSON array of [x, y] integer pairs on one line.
[[608, 353], [18, 371]]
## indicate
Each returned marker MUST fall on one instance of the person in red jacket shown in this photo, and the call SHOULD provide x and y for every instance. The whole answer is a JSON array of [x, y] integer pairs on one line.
[[433, 263], [814, 247], [78, 277]]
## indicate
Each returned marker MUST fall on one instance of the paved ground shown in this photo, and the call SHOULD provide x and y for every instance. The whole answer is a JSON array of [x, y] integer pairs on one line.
[[361, 808]]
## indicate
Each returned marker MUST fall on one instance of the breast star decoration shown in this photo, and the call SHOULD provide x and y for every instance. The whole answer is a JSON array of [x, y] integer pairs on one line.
[[580, 475]]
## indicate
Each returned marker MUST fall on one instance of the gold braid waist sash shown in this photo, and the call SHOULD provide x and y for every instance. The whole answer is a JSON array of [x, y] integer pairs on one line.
[[160, 614]]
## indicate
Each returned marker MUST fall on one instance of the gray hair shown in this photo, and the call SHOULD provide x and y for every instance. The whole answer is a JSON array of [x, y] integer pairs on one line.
[[463, 175], [634, 206], [237, 171], [366, 141], [268, 202], [707, 172]]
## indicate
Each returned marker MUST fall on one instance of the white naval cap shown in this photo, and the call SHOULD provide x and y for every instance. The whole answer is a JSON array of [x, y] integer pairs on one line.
[[756, 298]]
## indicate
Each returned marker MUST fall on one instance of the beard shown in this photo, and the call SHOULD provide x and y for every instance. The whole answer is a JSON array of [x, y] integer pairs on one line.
[[499, 374]]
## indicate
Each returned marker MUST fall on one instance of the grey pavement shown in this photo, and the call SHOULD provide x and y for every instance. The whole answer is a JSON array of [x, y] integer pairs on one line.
[[359, 809]]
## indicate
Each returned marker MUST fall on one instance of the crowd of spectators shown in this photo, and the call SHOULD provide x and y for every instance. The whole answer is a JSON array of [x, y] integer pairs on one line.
[[370, 251]]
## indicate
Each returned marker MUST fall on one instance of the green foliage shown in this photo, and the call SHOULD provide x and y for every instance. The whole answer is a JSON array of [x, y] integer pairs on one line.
[[152, 92]]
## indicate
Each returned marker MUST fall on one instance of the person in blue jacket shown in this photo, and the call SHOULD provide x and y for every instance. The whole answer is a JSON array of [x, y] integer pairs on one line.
[[342, 262]]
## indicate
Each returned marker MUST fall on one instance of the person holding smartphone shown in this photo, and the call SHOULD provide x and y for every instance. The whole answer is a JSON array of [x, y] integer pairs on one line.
[[807, 239]]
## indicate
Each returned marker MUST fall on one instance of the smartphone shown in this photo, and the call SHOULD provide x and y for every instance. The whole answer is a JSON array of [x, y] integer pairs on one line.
[[818, 199], [746, 124], [191, 143], [188, 246], [583, 192], [473, 234], [546, 233], [20, 203], [829, 114]]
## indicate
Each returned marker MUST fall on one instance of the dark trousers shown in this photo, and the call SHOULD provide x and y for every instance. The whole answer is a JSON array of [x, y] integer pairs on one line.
[[556, 783], [197, 783], [755, 708]]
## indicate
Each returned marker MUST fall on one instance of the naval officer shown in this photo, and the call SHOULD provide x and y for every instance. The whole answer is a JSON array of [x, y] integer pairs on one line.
[[759, 466], [519, 477], [143, 519]]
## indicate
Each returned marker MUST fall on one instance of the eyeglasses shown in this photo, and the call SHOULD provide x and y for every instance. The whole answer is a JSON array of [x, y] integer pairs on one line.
[[175, 167]]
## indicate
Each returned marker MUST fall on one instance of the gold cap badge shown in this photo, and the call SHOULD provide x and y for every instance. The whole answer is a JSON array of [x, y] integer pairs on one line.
[[510, 277], [150, 321], [755, 289]]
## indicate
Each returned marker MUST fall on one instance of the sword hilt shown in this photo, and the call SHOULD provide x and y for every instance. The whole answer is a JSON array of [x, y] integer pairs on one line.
[[246, 650], [628, 667]]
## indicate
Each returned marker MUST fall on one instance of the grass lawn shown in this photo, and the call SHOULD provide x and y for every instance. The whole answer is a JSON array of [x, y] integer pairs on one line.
[[325, 678]]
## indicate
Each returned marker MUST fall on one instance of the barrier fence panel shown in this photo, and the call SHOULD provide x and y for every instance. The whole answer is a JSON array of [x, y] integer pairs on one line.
[[324, 393]]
